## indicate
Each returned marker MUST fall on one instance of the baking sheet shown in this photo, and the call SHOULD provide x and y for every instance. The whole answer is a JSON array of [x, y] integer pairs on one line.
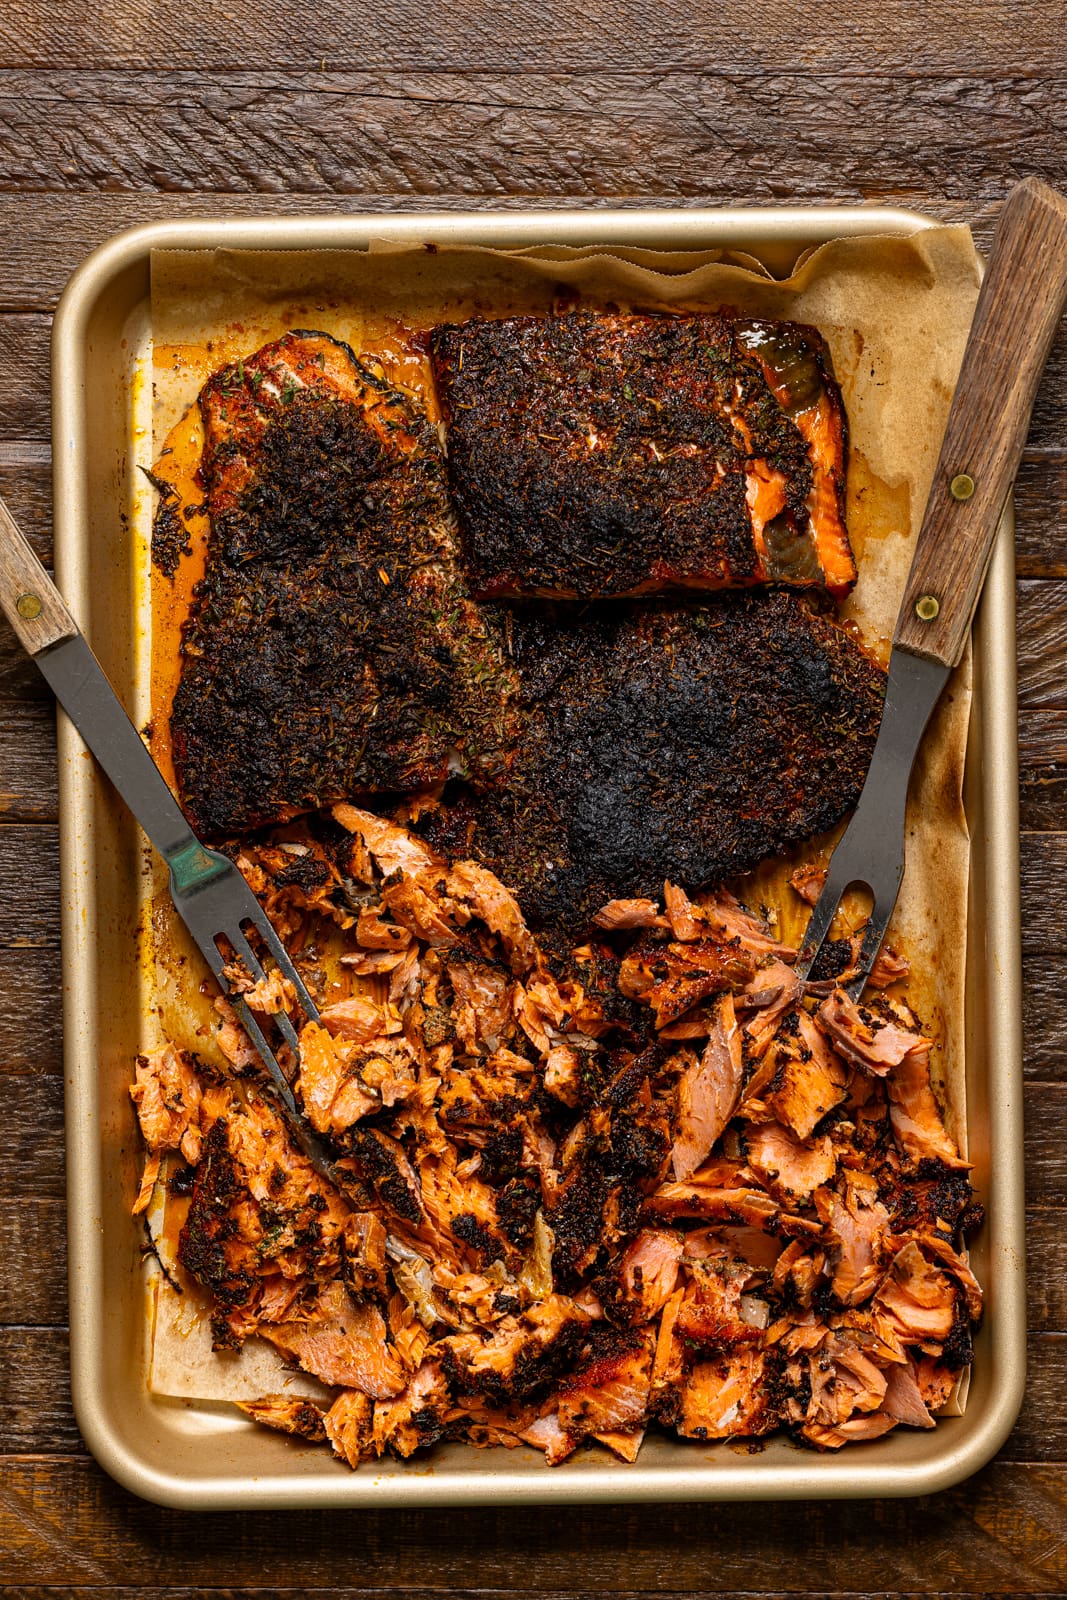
[[895, 312]]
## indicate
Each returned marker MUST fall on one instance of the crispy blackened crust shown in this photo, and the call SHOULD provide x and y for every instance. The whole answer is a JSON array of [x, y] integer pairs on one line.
[[670, 742], [605, 455], [333, 647]]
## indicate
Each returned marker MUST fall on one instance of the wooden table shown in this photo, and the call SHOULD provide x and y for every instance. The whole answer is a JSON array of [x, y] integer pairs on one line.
[[118, 114]]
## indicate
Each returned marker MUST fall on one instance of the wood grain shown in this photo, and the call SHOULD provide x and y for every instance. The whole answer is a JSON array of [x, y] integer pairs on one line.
[[997, 39], [27, 488], [1001, 1532], [1041, 516], [34, 607], [29, 886], [34, 1153], [1043, 770], [1044, 1017], [1015, 321], [1043, 861], [27, 761], [30, 1013], [25, 405], [146, 109], [1046, 1271], [1042, 644], [661, 134], [33, 1234]]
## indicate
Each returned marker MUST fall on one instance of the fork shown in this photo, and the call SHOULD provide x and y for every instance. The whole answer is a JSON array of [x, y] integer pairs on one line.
[[1019, 307], [208, 891]]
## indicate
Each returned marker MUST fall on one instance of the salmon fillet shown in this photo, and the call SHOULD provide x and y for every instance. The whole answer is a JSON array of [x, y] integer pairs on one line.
[[597, 455], [665, 741], [332, 647]]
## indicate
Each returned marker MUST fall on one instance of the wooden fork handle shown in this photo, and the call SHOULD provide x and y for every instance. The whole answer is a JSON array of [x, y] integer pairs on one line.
[[28, 597], [1019, 307]]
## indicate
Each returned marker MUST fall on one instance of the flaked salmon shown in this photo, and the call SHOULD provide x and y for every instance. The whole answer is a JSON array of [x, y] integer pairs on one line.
[[708, 1093], [556, 1224]]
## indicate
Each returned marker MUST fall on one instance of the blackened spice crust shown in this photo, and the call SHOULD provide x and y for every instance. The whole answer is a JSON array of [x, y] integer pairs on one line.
[[605, 455], [170, 535], [663, 741], [333, 648]]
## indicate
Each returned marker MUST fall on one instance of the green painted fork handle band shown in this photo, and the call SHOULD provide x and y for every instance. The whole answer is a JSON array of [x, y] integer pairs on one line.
[[191, 866]]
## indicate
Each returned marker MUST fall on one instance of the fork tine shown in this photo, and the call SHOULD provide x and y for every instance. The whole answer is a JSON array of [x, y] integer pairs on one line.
[[873, 935], [262, 924], [292, 1114], [280, 1019], [820, 921]]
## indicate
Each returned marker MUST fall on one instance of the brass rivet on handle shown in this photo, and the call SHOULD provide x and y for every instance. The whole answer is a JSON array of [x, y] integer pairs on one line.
[[28, 607], [962, 486], [926, 607]]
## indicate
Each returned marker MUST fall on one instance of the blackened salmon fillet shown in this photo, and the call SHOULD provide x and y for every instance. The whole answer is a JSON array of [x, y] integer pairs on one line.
[[664, 741], [596, 454], [333, 647]]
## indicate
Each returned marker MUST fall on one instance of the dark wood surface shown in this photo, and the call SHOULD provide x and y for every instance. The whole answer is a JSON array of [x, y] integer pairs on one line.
[[148, 109]]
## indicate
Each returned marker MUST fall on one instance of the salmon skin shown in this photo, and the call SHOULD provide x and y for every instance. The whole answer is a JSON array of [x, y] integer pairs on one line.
[[686, 742], [600, 455], [333, 647]]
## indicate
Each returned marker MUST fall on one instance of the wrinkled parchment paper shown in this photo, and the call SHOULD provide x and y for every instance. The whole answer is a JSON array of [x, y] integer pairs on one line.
[[895, 312]]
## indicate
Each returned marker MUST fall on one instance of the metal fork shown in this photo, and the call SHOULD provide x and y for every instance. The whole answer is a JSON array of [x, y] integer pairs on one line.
[[1015, 320], [208, 891]]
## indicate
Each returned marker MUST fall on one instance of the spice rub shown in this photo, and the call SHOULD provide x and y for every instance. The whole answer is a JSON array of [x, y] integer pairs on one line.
[[333, 647], [662, 740], [602, 455]]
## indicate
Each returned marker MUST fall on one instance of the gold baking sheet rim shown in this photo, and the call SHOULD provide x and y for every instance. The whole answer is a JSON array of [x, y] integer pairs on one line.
[[638, 1483]]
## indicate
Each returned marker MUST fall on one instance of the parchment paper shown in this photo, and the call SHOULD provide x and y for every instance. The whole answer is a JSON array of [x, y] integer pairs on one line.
[[895, 312]]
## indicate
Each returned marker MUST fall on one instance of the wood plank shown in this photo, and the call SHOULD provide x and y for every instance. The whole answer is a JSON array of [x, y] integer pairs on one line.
[[114, 1592], [29, 885], [33, 1248], [35, 1405], [1043, 771], [999, 39], [1041, 517], [1045, 1018], [28, 789], [1043, 863], [1045, 1112], [658, 134], [1042, 644], [25, 376], [1041, 1431], [33, 1143], [26, 486], [31, 1023], [1046, 1271], [63, 1522]]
